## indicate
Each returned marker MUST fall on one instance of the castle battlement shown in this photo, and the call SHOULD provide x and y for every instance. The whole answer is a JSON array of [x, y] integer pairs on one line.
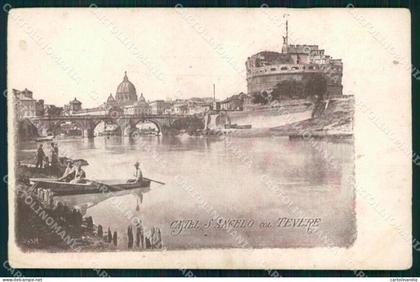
[[293, 68]]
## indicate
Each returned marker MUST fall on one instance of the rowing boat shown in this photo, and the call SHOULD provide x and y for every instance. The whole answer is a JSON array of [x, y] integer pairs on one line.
[[90, 187]]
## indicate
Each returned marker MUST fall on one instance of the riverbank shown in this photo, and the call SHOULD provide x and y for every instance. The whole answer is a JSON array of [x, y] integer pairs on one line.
[[328, 119], [45, 222], [40, 226], [336, 121]]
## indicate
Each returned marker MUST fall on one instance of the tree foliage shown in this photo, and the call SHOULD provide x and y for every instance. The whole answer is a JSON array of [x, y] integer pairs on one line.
[[313, 86], [260, 98], [316, 86]]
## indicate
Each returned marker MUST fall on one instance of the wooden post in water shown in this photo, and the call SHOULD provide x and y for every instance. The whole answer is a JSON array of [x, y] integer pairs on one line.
[[100, 231], [142, 243], [89, 223], [115, 238], [156, 238], [109, 235], [159, 239], [152, 237], [147, 242], [130, 236], [137, 237]]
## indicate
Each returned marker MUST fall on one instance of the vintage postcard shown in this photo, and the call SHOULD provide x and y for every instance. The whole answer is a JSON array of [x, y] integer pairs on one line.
[[210, 138]]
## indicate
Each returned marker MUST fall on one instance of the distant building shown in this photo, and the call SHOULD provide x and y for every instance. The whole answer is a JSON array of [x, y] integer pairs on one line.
[[125, 102], [111, 102], [215, 106], [107, 108], [159, 107], [206, 107], [180, 109], [197, 105], [25, 104], [39, 108], [233, 103], [128, 103], [75, 105], [204, 100], [126, 92], [141, 107], [198, 108], [114, 111], [246, 99], [24, 93], [53, 111]]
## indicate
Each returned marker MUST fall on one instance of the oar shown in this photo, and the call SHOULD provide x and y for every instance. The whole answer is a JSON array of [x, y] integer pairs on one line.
[[161, 183]]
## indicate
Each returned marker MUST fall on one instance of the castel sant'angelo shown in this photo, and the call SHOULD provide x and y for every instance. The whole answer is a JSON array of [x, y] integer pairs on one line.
[[295, 62]]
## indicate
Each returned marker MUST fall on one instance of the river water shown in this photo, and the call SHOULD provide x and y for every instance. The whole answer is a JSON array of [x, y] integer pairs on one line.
[[274, 192]]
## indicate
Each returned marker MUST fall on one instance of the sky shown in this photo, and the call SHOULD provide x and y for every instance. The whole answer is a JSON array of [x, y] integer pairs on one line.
[[61, 54]]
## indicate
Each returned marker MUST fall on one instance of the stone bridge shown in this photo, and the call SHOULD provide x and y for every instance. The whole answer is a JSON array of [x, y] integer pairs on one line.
[[87, 123]]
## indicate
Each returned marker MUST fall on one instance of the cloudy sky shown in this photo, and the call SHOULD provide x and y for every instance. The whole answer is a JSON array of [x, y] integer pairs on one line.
[[60, 54]]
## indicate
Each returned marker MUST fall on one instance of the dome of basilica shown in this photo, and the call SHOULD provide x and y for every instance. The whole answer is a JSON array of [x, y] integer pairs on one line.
[[126, 92]]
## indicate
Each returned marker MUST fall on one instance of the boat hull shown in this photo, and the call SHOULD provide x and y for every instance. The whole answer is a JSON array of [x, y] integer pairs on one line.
[[91, 187]]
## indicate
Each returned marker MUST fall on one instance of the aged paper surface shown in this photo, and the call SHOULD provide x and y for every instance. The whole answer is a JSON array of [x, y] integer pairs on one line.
[[210, 138]]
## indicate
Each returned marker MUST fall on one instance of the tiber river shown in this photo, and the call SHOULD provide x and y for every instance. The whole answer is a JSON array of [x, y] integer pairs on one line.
[[274, 192]]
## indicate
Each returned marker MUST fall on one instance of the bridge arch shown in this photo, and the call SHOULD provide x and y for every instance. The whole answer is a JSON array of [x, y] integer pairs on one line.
[[158, 125], [105, 121], [54, 127]]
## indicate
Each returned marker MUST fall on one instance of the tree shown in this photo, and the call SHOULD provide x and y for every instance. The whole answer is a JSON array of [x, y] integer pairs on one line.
[[316, 86], [260, 98], [288, 88], [190, 123], [312, 86]]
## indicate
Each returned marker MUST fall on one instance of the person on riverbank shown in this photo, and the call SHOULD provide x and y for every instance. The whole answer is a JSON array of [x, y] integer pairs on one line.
[[79, 174], [56, 149], [69, 173], [40, 155], [53, 159]]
